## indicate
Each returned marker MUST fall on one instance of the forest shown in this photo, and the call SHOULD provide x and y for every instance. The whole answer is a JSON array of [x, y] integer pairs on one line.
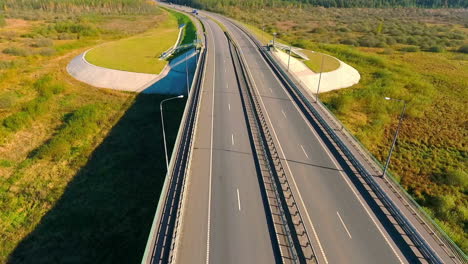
[[325, 3]]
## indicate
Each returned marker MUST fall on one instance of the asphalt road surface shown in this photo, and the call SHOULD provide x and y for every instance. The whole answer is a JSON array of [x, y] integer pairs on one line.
[[224, 218]]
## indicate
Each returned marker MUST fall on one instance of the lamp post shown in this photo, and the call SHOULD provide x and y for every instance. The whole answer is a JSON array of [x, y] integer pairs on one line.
[[274, 36], [320, 79], [263, 33], [396, 134], [263, 25], [289, 58], [162, 122], [186, 73]]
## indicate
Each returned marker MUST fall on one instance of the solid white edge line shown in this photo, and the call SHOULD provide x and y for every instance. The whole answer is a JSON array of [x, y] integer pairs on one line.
[[342, 222], [211, 148], [333, 160], [238, 199]]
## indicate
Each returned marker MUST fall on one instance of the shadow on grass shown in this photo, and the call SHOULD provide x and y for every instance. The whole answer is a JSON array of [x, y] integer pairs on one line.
[[106, 211]]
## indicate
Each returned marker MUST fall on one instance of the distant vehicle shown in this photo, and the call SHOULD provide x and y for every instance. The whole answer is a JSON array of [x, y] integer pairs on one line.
[[195, 12]]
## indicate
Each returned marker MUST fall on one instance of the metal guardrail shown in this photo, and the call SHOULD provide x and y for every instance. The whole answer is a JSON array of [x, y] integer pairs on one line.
[[164, 228], [308, 109]]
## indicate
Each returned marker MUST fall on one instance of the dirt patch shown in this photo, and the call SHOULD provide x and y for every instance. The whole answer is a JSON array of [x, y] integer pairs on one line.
[[17, 24]]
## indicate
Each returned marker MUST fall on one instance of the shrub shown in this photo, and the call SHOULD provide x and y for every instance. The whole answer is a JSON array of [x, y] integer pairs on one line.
[[390, 40], [78, 125], [463, 49], [341, 103], [456, 177], [55, 149], [2, 21], [6, 64], [45, 86], [443, 205], [47, 52], [5, 163], [43, 42], [410, 49], [351, 42], [318, 30], [16, 51], [36, 107], [435, 49], [7, 100], [16, 121], [367, 41]]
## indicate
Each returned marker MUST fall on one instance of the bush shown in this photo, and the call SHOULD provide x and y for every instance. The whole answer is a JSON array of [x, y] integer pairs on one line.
[[78, 125], [463, 49], [368, 41], [341, 103], [16, 51], [36, 107], [435, 49], [79, 28], [47, 52], [55, 149], [456, 177], [318, 30], [410, 49], [43, 42], [45, 86], [6, 64], [16, 121], [7, 100], [351, 42], [443, 205], [2, 21]]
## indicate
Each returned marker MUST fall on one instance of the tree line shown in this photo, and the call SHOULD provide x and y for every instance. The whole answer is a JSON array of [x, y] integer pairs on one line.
[[214, 4]]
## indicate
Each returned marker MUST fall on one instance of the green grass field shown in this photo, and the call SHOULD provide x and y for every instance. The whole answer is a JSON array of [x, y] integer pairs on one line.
[[72, 184], [315, 62], [139, 53]]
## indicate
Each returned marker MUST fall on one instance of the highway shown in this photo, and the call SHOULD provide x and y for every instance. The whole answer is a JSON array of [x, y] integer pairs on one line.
[[225, 214], [232, 226], [338, 217], [226, 221]]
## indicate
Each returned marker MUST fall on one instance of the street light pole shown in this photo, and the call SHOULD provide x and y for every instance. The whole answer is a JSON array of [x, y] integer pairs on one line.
[[396, 134], [274, 36], [320, 79], [263, 25], [162, 122], [186, 73], [289, 58]]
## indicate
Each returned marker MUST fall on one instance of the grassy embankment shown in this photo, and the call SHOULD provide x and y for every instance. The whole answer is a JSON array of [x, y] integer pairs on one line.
[[79, 166], [417, 55], [315, 58], [141, 53]]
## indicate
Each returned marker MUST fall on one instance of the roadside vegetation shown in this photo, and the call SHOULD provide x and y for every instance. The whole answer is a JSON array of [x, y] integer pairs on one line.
[[138, 53], [419, 55], [79, 169], [141, 53]]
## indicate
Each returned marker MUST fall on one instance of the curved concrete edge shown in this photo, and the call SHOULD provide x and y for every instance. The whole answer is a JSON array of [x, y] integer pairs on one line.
[[343, 77], [102, 77]]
